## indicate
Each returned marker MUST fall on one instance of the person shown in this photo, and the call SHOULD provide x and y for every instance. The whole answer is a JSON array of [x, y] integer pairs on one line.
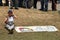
[[44, 5], [54, 5], [14, 3], [35, 4], [6, 2], [0, 2], [9, 21], [20, 3]]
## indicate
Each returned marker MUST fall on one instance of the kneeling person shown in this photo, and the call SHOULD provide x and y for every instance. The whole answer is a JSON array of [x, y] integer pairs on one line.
[[9, 21]]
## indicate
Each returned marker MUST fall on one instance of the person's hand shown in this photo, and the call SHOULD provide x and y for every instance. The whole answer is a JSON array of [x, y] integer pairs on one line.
[[15, 16], [6, 20]]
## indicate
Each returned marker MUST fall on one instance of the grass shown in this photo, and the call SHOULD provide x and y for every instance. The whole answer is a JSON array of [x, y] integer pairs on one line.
[[30, 17]]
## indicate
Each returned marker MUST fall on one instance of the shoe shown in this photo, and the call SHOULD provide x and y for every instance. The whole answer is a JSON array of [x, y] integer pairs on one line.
[[41, 9], [11, 8], [45, 10], [54, 10], [10, 32], [16, 8]]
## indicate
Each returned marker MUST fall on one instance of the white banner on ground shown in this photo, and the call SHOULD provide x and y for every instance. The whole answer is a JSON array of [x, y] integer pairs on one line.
[[36, 29]]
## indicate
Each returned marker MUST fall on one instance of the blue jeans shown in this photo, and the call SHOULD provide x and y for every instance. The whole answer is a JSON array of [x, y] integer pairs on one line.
[[44, 4], [0, 2], [14, 3], [35, 4], [20, 3]]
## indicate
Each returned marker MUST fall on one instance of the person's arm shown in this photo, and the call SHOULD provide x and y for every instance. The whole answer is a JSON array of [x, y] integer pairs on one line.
[[15, 16], [6, 20]]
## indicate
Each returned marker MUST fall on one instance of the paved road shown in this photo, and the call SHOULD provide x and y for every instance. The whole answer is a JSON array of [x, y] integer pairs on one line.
[[38, 6]]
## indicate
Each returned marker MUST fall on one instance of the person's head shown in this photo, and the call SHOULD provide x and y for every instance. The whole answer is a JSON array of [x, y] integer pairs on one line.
[[10, 13]]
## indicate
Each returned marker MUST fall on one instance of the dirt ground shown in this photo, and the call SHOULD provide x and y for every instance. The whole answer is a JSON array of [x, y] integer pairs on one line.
[[30, 17]]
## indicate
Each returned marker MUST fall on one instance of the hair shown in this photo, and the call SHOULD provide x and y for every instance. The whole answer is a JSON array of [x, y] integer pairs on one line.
[[10, 11]]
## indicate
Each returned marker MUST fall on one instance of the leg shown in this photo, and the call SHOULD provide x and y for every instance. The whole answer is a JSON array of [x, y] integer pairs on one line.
[[42, 5], [0, 2], [35, 2], [46, 5], [7, 29], [26, 3], [20, 3], [54, 2], [6, 2], [12, 4], [16, 4], [11, 31]]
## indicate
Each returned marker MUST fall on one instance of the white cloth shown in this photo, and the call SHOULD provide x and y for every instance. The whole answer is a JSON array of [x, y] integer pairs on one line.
[[10, 27], [10, 19]]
